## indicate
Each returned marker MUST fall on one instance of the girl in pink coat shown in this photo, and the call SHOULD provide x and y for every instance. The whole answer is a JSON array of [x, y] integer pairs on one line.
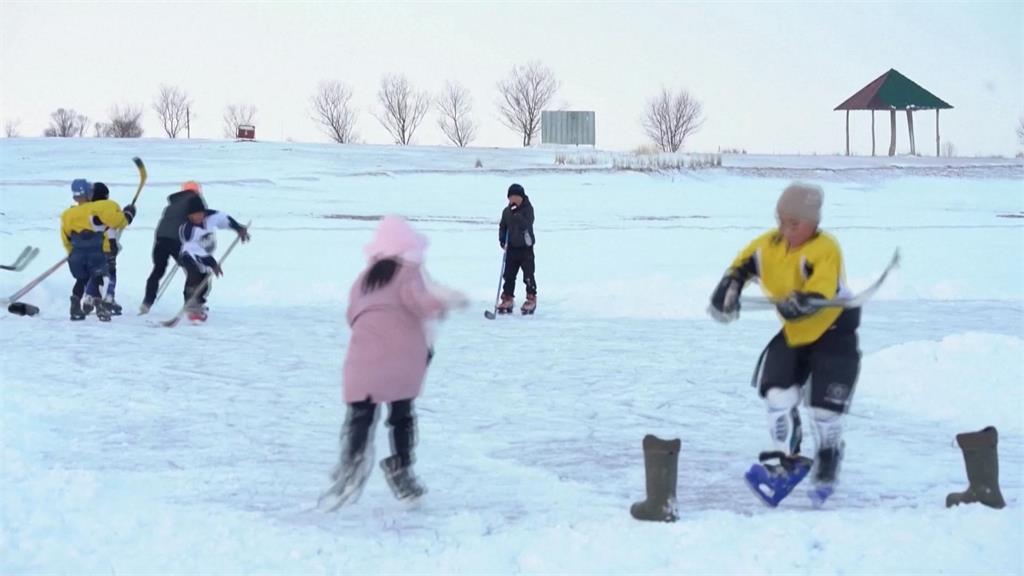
[[390, 307]]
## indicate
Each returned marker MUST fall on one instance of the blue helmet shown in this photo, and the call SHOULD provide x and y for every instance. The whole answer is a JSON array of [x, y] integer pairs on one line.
[[81, 188]]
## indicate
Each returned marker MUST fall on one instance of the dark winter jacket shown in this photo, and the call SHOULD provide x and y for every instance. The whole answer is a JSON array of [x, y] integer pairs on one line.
[[518, 224], [175, 214]]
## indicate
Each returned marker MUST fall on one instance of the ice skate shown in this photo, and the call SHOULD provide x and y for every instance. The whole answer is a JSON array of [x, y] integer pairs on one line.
[[77, 313], [772, 482]]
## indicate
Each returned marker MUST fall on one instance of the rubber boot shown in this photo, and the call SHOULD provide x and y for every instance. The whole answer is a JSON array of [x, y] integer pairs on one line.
[[982, 461], [404, 484], [661, 462]]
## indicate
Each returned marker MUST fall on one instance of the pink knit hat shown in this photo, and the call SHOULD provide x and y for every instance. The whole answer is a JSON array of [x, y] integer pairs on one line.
[[396, 238]]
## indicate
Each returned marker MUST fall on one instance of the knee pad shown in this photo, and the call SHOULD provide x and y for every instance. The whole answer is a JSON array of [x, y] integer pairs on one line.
[[782, 398], [829, 427]]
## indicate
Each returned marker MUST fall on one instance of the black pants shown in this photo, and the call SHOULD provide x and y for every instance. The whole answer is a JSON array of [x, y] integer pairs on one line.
[[516, 258], [194, 277], [162, 249], [359, 425], [832, 363]]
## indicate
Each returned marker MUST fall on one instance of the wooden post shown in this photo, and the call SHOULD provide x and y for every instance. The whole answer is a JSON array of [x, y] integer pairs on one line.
[[937, 149], [892, 132], [847, 132], [910, 128], [872, 132]]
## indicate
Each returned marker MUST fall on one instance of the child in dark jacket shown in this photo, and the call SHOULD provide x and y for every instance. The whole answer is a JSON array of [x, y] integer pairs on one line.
[[515, 235]]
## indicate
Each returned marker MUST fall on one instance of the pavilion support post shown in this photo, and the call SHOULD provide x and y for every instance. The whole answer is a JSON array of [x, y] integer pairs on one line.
[[892, 132], [872, 132], [937, 148], [910, 128], [847, 132]]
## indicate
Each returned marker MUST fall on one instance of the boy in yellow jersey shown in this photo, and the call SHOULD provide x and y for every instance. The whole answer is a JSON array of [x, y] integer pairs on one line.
[[82, 230], [796, 265]]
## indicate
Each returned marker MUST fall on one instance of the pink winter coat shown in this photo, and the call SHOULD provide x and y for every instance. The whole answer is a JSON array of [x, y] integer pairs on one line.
[[387, 354]]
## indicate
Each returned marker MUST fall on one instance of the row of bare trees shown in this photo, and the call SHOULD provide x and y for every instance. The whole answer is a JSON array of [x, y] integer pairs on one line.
[[522, 96], [669, 118]]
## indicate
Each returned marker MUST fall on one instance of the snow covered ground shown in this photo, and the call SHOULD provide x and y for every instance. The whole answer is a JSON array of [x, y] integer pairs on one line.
[[131, 448]]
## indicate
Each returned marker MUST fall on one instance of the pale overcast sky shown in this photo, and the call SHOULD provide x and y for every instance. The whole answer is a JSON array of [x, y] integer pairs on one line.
[[768, 74]]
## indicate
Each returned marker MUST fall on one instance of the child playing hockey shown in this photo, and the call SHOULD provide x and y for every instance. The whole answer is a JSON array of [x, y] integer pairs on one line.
[[166, 242], [198, 241], [390, 306], [797, 264], [82, 232], [110, 250], [515, 235]]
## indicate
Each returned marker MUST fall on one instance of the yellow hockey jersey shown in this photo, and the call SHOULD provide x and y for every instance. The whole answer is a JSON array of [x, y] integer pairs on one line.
[[816, 266], [92, 216]]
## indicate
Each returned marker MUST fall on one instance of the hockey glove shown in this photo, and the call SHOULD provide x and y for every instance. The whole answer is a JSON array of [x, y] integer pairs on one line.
[[725, 301], [798, 304], [129, 212]]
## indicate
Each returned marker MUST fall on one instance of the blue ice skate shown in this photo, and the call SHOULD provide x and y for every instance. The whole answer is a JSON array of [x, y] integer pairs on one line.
[[819, 493], [826, 475], [773, 482]]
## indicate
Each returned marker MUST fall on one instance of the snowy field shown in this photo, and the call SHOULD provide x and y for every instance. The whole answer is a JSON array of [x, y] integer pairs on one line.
[[130, 448]]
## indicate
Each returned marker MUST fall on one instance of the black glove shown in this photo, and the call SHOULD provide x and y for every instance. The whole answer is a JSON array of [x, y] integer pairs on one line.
[[725, 301], [243, 234], [129, 212], [798, 304]]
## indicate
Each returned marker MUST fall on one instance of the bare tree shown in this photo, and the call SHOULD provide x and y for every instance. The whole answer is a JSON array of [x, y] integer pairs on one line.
[[523, 95], [100, 129], [1020, 130], [125, 122], [172, 107], [455, 105], [66, 123], [402, 108], [671, 118], [11, 127], [236, 115], [333, 112]]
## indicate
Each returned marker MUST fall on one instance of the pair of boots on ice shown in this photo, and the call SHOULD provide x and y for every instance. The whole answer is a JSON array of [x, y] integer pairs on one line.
[[661, 460], [82, 306], [355, 464], [508, 303]]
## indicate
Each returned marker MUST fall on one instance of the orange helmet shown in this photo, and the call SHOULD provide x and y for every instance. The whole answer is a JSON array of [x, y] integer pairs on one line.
[[193, 186]]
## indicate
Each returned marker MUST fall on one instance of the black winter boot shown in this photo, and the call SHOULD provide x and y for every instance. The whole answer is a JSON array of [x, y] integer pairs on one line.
[[76, 308], [400, 478], [661, 462], [982, 461]]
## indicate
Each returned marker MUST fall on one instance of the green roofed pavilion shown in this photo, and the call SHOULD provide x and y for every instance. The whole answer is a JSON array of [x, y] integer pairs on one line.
[[893, 91]]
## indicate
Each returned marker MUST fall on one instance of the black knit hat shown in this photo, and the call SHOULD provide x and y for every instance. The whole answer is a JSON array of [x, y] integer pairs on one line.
[[516, 190], [100, 191], [195, 204]]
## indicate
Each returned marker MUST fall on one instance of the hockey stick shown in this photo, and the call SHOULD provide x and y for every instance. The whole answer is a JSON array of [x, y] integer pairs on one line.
[[202, 285], [166, 282], [492, 314], [13, 299], [855, 301], [142, 178], [22, 260]]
